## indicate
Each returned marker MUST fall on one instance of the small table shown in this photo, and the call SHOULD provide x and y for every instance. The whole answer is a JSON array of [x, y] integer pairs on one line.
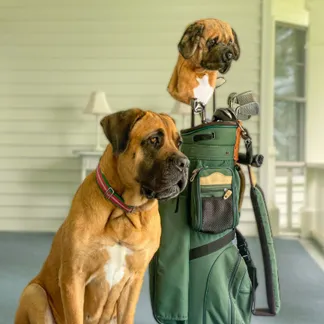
[[89, 161]]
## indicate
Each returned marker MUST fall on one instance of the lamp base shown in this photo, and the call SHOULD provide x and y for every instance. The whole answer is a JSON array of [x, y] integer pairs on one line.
[[99, 148], [98, 132]]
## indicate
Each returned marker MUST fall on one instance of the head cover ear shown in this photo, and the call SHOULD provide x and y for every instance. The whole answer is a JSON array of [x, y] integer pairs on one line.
[[236, 46], [117, 127], [190, 40]]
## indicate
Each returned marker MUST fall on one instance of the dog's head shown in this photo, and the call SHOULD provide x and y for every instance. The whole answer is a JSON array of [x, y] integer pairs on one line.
[[211, 44], [146, 147]]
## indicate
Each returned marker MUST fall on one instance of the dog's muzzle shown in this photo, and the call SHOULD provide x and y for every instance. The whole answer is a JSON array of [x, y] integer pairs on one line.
[[219, 58], [162, 187], [166, 193]]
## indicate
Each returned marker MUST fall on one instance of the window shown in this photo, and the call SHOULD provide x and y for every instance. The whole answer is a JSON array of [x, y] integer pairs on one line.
[[289, 92]]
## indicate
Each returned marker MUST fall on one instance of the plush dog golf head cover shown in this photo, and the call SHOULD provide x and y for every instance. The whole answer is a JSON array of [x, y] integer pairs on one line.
[[207, 46]]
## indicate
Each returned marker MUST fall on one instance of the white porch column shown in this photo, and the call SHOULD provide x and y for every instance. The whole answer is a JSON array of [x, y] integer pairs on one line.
[[313, 211], [315, 83], [268, 170]]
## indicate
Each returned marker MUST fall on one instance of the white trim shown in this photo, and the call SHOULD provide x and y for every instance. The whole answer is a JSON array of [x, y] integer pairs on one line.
[[310, 3], [314, 252], [318, 239], [267, 172], [291, 12], [30, 224], [315, 165]]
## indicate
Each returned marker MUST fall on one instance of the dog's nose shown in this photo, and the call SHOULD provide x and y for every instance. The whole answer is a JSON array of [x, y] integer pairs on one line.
[[228, 56], [181, 162]]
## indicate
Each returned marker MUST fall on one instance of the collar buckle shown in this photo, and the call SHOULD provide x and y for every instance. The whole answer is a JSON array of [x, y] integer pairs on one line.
[[109, 192], [132, 209]]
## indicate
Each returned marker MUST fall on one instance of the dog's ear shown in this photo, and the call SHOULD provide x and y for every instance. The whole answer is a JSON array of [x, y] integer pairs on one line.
[[236, 46], [117, 127], [190, 40]]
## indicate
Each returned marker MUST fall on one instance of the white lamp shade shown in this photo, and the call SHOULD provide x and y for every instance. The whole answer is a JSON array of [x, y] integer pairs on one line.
[[98, 104], [181, 108]]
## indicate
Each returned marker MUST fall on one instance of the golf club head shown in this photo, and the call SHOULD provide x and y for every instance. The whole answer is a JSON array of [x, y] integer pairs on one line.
[[242, 116], [245, 98], [249, 109], [231, 99]]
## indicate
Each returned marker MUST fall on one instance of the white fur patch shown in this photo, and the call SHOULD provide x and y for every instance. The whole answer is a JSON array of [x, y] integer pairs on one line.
[[204, 91], [113, 321], [49, 316], [116, 265], [90, 279]]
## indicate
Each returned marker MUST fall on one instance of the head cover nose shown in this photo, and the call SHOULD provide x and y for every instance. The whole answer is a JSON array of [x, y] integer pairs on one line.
[[227, 55]]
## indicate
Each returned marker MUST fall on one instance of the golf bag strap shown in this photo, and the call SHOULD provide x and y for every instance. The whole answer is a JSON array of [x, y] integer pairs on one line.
[[245, 253], [211, 247], [243, 248]]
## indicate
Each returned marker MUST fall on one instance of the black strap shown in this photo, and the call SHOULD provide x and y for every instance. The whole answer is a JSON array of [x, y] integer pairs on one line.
[[248, 158], [245, 253], [211, 247]]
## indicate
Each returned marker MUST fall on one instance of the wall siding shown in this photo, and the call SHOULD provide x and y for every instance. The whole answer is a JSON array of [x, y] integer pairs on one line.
[[53, 54]]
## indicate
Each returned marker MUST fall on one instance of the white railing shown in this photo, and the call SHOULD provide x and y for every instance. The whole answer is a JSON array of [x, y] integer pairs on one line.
[[290, 192], [313, 210]]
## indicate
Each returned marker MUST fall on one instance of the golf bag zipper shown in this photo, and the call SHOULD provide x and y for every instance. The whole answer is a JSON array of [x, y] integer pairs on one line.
[[195, 173]]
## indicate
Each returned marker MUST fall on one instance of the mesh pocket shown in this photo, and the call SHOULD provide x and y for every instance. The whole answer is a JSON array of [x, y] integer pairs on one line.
[[213, 199], [217, 214]]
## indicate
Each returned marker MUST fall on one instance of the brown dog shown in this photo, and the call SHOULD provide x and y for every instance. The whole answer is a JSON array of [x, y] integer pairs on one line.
[[207, 46], [94, 271]]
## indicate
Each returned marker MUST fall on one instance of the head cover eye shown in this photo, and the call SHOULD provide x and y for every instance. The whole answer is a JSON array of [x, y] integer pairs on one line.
[[212, 42]]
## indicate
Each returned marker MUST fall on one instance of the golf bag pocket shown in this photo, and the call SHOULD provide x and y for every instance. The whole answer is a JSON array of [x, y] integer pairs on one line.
[[212, 203], [169, 268]]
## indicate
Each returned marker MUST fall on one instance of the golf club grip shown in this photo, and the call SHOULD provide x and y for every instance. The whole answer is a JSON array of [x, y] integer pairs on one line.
[[257, 160]]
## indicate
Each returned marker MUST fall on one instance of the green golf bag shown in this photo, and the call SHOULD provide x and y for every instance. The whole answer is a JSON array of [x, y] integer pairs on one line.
[[203, 272]]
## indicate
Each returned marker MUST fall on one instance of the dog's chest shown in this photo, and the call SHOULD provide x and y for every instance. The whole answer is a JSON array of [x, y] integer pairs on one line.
[[203, 91], [115, 267]]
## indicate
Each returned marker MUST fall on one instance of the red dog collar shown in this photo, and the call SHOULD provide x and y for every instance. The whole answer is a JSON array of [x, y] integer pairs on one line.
[[110, 193]]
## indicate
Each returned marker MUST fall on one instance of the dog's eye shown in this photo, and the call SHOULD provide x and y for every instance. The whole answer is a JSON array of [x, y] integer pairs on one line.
[[212, 42], [180, 143], [154, 140]]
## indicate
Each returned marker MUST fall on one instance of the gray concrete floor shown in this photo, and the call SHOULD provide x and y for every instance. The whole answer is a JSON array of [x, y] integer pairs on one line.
[[301, 280]]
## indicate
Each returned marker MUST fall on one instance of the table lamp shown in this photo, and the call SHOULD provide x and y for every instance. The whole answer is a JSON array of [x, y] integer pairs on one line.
[[98, 106]]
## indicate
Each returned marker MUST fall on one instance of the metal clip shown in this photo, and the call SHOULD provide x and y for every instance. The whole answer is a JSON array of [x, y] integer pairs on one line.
[[198, 108], [111, 190], [228, 193]]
